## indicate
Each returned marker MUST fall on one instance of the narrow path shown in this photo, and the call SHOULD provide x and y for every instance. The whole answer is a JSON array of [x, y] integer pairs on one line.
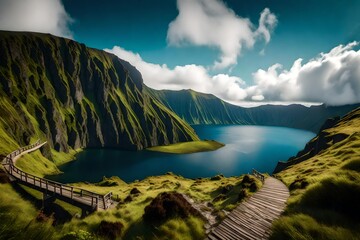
[[252, 219], [86, 200]]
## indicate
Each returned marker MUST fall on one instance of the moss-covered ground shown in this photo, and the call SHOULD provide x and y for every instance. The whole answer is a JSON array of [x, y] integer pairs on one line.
[[131, 207], [325, 190], [189, 147], [22, 210]]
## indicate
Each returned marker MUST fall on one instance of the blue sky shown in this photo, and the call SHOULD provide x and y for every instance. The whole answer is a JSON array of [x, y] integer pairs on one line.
[[216, 46], [304, 29]]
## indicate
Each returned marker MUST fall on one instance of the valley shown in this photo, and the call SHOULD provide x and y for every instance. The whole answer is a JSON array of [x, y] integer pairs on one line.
[[106, 131]]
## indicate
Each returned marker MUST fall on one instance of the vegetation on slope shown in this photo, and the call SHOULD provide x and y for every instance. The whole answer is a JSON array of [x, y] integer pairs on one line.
[[18, 216], [200, 108], [221, 193], [74, 97], [188, 147], [325, 187]]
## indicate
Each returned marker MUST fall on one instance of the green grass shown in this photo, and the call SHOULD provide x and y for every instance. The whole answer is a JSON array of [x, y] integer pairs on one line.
[[36, 164], [130, 213], [325, 190], [18, 217], [188, 147]]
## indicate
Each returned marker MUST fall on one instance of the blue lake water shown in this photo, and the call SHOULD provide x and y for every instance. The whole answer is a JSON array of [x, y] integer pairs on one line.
[[246, 147]]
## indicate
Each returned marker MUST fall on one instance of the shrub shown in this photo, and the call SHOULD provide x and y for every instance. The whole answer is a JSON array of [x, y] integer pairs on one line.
[[79, 235], [128, 199], [217, 177], [168, 205], [219, 197], [3, 177], [298, 184], [41, 217], [253, 187], [242, 194], [110, 230], [246, 181], [135, 191]]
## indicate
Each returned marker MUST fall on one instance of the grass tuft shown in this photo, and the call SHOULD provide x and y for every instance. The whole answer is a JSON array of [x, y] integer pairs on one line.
[[189, 147]]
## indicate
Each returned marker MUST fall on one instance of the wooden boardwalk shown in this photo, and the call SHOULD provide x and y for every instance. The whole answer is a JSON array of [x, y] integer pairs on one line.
[[252, 219], [86, 200]]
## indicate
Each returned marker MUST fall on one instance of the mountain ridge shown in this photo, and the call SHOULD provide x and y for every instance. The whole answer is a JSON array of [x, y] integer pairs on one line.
[[75, 97], [199, 108]]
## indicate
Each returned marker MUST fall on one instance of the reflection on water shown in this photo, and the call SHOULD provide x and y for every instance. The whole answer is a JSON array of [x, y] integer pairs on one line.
[[246, 147]]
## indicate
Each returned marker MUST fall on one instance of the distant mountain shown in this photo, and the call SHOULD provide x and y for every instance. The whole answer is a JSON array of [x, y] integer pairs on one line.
[[200, 108], [73, 96]]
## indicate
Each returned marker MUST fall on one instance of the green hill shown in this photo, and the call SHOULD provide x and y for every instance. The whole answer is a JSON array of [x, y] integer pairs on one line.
[[324, 180], [74, 97], [200, 108]]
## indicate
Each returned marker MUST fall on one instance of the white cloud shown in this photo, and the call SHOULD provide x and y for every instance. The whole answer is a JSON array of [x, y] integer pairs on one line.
[[267, 22], [46, 16], [332, 78], [184, 77], [212, 23]]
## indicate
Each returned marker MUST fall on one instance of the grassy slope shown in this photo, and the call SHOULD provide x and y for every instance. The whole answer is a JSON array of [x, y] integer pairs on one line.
[[74, 97], [127, 212], [130, 213], [17, 217], [200, 108], [325, 189], [189, 147], [56, 103]]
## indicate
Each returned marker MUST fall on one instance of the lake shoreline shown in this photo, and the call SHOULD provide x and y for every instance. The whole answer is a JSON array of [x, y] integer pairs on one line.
[[247, 147], [188, 147]]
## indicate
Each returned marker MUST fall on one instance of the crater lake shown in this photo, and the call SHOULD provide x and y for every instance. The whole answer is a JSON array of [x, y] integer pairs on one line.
[[246, 147]]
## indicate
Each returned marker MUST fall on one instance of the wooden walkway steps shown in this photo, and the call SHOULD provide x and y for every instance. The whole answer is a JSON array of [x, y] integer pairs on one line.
[[252, 219], [86, 200]]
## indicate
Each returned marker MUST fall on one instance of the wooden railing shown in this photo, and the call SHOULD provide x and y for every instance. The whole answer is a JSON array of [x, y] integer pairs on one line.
[[258, 175], [77, 194]]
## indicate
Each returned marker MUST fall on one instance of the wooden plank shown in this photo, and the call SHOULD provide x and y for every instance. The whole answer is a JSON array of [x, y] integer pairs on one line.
[[267, 211], [252, 218], [274, 199], [264, 204], [252, 225], [44, 184], [223, 234], [256, 221], [232, 233], [279, 193], [240, 230]]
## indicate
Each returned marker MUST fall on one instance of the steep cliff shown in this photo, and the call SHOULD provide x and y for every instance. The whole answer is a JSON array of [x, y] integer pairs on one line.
[[73, 96], [324, 184], [199, 108], [333, 131]]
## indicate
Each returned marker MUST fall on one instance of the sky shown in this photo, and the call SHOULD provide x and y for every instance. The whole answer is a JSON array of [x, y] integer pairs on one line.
[[245, 52]]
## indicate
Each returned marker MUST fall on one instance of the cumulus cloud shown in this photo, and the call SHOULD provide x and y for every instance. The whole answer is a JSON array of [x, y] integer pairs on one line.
[[212, 23], [332, 78], [46, 16], [184, 77]]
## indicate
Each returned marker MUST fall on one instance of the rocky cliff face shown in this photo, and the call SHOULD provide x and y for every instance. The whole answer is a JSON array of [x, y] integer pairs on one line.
[[74, 96], [333, 131], [199, 108]]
